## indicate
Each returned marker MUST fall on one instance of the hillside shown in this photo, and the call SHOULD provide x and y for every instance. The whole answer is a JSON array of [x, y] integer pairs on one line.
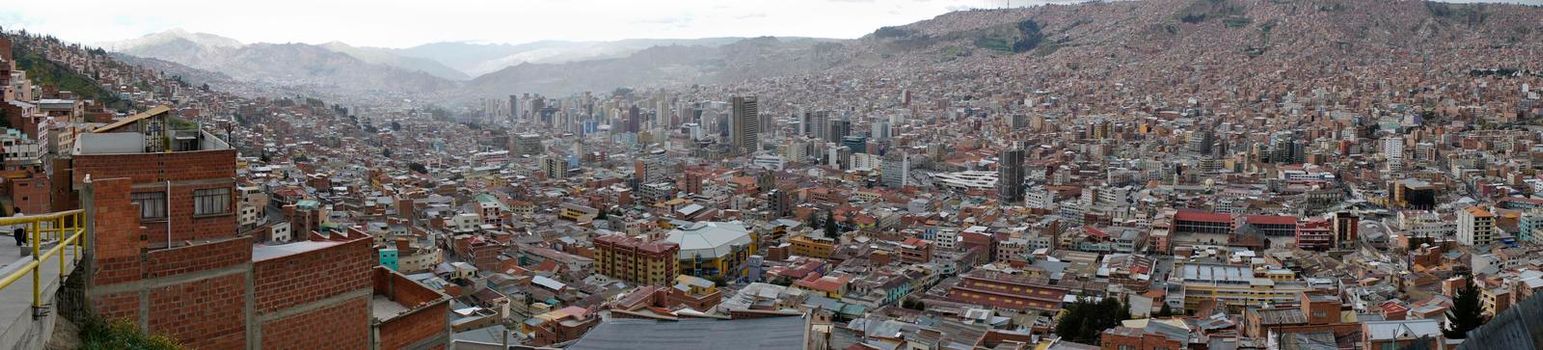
[[42, 71], [289, 65], [1163, 46], [665, 65], [390, 58]]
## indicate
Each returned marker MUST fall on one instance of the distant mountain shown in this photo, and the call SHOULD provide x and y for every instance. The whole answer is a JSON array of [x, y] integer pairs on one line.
[[337, 68], [666, 65], [389, 57], [1224, 42], [1220, 40], [478, 59], [155, 39]]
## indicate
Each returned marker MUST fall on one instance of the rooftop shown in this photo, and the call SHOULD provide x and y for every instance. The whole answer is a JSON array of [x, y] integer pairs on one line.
[[709, 239], [262, 252], [686, 334]]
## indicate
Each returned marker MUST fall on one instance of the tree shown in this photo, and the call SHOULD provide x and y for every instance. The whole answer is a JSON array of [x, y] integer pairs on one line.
[[1466, 313], [830, 226], [385, 153], [396, 126], [418, 168], [1166, 311], [1085, 320]]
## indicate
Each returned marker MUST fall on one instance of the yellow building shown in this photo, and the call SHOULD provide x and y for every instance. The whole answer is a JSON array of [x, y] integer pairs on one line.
[[714, 249], [577, 213], [1234, 286], [814, 247]]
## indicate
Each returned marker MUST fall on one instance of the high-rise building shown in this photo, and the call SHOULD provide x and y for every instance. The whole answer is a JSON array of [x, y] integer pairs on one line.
[[897, 169], [635, 260], [650, 168], [634, 119], [815, 124], [1347, 230], [528, 144], [1010, 175], [1393, 151], [745, 123], [514, 109], [1475, 226], [855, 143], [838, 130], [554, 167], [880, 131]]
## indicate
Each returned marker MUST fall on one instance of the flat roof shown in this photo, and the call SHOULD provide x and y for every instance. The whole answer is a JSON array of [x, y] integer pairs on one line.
[[262, 252], [703, 333]]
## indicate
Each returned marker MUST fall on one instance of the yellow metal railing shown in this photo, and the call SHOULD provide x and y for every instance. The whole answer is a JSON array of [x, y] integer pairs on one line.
[[65, 230]]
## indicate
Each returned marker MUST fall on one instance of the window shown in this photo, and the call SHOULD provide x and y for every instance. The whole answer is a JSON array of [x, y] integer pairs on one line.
[[152, 205], [211, 201]]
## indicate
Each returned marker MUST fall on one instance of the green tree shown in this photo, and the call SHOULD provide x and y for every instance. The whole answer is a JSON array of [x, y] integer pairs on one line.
[[1085, 319], [830, 226], [1466, 313], [1166, 311]]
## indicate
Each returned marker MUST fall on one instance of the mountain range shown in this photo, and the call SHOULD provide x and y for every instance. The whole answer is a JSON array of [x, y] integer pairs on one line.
[[1108, 36]]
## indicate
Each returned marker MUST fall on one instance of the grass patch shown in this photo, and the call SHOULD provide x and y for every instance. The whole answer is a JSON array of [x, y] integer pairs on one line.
[[97, 334]]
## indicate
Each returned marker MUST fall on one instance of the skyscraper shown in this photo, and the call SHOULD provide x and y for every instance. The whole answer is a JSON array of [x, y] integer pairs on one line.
[[745, 123], [634, 119], [897, 169], [1010, 175], [838, 130], [514, 109]]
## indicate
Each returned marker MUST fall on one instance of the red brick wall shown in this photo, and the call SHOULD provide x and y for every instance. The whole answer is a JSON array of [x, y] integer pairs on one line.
[[204, 314], [418, 325], [301, 278], [401, 289], [116, 238], [121, 306], [30, 193], [156, 168], [168, 262], [414, 327], [341, 326]]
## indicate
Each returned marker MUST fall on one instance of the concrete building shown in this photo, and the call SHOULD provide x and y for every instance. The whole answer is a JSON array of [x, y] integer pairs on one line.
[[1475, 226], [714, 249], [745, 124], [1010, 176], [635, 260]]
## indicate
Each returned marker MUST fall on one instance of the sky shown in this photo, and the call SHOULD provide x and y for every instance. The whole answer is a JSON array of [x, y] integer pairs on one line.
[[399, 23], [396, 23]]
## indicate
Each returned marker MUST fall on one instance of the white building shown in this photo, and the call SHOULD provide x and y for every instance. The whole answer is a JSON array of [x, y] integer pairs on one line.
[[1475, 226]]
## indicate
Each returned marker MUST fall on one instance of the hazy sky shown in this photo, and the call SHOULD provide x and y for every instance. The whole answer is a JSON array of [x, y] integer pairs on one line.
[[398, 23], [395, 23]]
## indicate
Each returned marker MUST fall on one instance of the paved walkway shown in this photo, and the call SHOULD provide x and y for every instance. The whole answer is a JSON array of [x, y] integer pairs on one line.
[[16, 299]]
